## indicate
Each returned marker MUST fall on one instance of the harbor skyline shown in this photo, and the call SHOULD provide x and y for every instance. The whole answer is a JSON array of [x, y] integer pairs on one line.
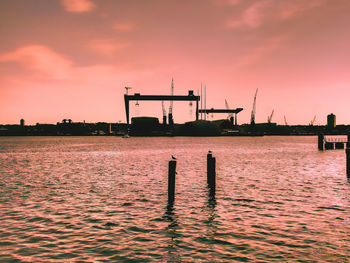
[[73, 58]]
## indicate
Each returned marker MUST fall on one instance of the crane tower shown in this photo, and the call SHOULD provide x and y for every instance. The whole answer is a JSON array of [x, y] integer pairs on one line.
[[269, 118], [171, 120], [164, 113], [252, 118]]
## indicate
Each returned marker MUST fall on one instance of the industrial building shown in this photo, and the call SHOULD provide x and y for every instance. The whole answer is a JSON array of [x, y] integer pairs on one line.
[[331, 120]]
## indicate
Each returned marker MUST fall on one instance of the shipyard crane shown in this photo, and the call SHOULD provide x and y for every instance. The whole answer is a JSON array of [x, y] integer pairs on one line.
[[313, 121], [164, 113], [252, 118], [285, 121], [205, 101], [269, 118], [171, 120]]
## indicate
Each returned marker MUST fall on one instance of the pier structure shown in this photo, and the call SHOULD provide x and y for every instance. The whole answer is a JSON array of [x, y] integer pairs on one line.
[[228, 111], [331, 142], [139, 97]]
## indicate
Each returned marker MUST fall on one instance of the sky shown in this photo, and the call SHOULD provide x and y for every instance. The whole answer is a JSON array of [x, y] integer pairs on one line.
[[71, 59]]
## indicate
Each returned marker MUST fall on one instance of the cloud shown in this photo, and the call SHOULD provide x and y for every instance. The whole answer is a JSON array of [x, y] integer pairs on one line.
[[78, 6], [251, 17], [292, 9], [41, 59], [266, 47], [261, 12], [106, 47], [124, 27]]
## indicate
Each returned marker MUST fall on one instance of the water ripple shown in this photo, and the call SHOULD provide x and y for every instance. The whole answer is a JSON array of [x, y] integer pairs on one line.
[[104, 199]]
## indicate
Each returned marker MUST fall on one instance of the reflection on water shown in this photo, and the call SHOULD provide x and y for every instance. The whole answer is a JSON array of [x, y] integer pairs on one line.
[[86, 199]]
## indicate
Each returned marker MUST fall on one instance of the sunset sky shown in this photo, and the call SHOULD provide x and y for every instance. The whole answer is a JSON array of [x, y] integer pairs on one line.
[[72, 58]]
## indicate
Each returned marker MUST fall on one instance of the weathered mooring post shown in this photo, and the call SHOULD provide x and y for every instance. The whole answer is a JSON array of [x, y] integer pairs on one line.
[[171, 181], [211, 173], [348, 163], [321, 142]]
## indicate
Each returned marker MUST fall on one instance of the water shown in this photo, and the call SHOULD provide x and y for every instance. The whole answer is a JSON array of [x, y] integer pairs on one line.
[[104, 199]]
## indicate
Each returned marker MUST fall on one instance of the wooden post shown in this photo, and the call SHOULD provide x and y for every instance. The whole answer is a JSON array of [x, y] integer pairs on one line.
[[348, 163], [321, 142], [209, 156], [171, 181], [211, 173]]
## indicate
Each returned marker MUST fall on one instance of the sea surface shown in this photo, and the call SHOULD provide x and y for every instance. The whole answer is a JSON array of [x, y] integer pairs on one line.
[[104, 199]]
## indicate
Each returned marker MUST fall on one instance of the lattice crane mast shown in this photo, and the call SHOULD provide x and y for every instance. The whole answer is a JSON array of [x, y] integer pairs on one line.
[[164, 113], [269, 118], [171, 120], [252, 118], [312, 122]]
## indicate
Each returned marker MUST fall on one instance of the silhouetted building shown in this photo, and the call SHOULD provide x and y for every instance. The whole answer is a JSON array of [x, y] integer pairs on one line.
[[144, 125], [21, 122], [331, 121]]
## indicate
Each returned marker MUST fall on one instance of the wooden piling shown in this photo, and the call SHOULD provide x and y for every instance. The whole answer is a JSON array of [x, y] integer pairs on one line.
[[321, 142], [171, 181], [329, 145], [348, 163], [211, 173]]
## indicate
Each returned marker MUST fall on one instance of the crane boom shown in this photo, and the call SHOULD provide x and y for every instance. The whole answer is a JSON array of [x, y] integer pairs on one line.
[[269, 118], [252, 118], [313, 121], [285, 121], [227, 108]]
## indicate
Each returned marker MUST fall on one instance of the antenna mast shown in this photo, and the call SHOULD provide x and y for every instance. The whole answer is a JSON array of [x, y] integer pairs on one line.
[[127, 90], [205, 102], [171, 120]]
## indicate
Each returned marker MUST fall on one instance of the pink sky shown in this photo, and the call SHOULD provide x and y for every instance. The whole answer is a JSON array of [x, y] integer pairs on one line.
[[71, 58]]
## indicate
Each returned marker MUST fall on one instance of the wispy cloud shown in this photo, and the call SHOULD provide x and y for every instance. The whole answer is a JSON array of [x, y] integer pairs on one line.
[[78, 6], [40, 58], [251, 17], [261, 51], [106, 47], [262, 12], [292, 9]]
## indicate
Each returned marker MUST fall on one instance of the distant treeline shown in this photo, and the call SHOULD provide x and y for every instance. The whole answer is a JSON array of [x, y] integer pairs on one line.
[[72, 128], [148, 126]]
